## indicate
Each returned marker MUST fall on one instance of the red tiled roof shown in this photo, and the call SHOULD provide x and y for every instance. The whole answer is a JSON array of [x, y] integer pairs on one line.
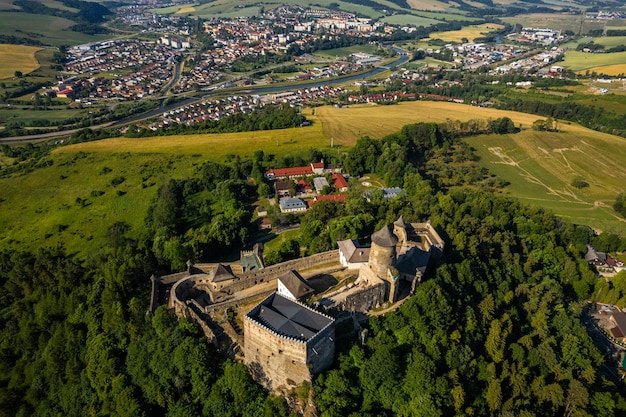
[[340, 198], [339, 181], [288, 172]]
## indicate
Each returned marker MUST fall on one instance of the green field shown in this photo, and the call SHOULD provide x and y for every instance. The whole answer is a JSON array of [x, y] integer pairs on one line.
[[27, 116], [610, 41], [541, 166], [409, 19], [50, 30], [578, 61], [556, 21], [228, 8]]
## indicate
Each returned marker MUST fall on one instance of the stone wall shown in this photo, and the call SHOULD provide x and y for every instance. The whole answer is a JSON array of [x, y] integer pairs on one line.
[[272, 272], [366, 299], [321, 349], [276, 362]]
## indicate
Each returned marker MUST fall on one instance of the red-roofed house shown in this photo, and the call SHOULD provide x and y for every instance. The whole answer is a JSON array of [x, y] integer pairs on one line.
[[340, 183], [65, 93], [340, 198], [282, 173]]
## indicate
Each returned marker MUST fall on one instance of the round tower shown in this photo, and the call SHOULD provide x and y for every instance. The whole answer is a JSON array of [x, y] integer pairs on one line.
[[383, 252]]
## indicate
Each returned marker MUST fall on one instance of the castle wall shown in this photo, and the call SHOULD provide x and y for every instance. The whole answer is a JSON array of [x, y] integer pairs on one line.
[[321, 349], [275, 361], [272, 272], [366, 299]]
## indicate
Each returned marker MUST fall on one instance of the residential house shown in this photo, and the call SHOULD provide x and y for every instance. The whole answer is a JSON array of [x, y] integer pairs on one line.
[[291, 205], [340, 183]]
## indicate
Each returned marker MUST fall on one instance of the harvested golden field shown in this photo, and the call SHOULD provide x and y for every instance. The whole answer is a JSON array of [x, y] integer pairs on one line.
[[615, 69], [17, 58], [470, 32], [347, 124]]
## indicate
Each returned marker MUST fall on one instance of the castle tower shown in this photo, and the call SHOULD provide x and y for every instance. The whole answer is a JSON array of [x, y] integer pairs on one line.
[[399, 229], [383, 252]]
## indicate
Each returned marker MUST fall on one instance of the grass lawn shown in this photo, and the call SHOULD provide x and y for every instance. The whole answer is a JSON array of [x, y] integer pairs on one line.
[[17, 58], [578, 61], [274, 243]]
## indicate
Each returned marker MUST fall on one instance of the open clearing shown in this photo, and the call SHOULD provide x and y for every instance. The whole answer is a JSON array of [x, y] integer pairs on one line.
[[17, 58]]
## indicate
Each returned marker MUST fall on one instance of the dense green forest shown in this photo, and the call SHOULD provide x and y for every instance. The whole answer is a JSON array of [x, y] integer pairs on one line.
[[495, 330]]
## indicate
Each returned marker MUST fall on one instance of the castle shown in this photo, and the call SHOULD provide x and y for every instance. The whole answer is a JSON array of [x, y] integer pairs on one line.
[[285, 341]]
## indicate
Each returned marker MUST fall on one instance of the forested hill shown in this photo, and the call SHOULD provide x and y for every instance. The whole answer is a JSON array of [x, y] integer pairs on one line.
[[495, 331]]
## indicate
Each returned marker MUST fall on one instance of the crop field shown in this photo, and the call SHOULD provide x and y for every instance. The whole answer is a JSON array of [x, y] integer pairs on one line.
[[17, 58], [578, 61], [347, 124], [50, 30], [8, 5], [613, 70], [556, 21], [433, 5], [470, 32]]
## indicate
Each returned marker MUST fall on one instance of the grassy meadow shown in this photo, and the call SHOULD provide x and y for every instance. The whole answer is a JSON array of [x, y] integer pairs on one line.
[[62, 202], [540, 167], [17, 58]]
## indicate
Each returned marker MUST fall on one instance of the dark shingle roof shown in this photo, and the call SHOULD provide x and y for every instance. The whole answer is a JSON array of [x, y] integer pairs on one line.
[[288, 318], [399, 222], [412, 261], [385, 238], [296, 285], [221, 273], [353, 251]]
